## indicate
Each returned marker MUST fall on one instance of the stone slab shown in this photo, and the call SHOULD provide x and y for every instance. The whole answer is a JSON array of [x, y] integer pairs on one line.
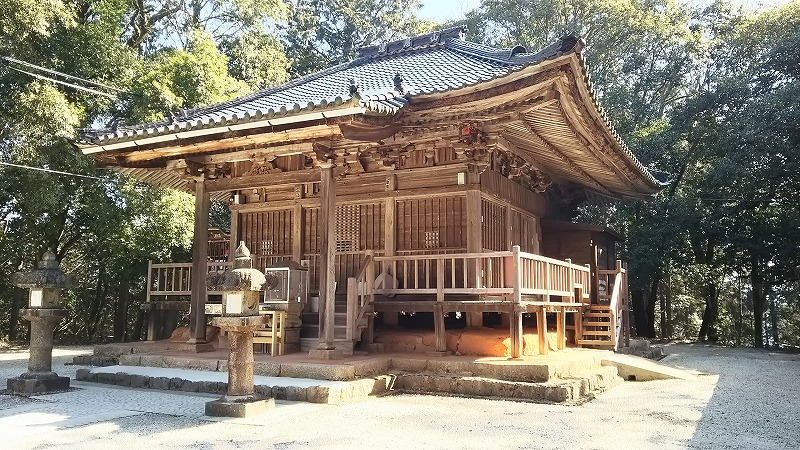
[[239, 409], [326, 354], [634, 368]]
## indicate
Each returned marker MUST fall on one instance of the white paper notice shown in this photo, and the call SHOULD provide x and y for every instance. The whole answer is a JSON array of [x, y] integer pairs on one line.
[[233, 303], [36, 298]]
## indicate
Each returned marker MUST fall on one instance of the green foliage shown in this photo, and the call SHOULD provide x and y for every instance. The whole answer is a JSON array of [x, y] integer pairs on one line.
[[323, 33], [177, 79]]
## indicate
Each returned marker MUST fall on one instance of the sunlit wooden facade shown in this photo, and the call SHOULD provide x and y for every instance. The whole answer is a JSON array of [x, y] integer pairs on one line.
[[421, 148]]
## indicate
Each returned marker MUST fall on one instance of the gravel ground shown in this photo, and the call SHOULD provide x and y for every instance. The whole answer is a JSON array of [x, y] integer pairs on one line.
[[747, 399]]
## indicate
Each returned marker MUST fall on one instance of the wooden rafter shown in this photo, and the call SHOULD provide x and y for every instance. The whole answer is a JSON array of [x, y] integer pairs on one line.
[[573, 123], [564, 158]]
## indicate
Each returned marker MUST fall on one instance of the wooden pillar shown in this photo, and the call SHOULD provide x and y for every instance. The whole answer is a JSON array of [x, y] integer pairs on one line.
[[561, 325], [516, 304], [234, 235], [474, 245], [197, 315], [438, 309], [327, 257], [297, 233], [390, 318], [541, 329]]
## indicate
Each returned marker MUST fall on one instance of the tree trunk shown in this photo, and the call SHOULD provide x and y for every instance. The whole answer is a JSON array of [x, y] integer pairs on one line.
[[707, 328], [639, 311], [121, 311], [652, 298], [662, 303], [773, 317], [668, 305], [136, 334], [13, 320], [758, 301]]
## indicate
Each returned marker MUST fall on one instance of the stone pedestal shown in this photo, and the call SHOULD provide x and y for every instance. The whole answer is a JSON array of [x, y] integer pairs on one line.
[[241, 399], [40, 377], [324, 353]]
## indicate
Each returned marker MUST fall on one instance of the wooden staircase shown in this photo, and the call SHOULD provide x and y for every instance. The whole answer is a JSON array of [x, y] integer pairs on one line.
[[599, 327], [353, 314], [606, 324]]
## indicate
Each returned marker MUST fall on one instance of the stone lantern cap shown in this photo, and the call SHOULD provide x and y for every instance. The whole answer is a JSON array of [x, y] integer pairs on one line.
[[243, 277], [48, 276]]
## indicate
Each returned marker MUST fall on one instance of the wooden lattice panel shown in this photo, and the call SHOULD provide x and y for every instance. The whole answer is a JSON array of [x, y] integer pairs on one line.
[[418, 219], [348, 228], [494, 225]]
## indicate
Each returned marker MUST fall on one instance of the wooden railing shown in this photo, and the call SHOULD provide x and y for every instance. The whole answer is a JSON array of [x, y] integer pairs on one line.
[[360, 295], [174, 279], [490, 274], [612, 288]]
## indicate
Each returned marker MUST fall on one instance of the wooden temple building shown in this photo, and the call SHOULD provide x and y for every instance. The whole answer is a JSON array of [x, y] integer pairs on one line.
[[429, 177]]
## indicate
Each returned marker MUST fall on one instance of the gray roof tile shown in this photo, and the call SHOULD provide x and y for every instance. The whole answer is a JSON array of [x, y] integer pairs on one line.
[[437, 62]]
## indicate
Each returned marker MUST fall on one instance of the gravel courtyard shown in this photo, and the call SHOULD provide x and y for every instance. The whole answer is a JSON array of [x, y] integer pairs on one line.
[[745, 399]]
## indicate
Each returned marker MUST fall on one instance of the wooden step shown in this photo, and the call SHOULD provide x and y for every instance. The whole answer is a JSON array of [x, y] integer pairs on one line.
[[595, 342], [596, 333], [598, 314]]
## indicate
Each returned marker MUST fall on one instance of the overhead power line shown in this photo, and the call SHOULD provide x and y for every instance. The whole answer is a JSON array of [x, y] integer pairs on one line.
[[42, 169], [95, 87], [64, 83], [63, 75]]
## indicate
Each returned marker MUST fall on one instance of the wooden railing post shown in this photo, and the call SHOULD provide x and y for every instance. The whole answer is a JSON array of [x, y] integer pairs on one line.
[[369, 278], [352, 309], [516, 300], [626, 312], [570, 280], [438, 310], [590, 286]]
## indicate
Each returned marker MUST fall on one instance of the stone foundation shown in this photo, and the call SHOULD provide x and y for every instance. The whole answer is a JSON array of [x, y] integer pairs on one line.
[[470, 341]]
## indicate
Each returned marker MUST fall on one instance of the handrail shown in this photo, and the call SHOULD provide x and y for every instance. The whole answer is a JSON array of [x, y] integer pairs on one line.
[[483, 273], [617, 302], [174, 279], [359, 296]]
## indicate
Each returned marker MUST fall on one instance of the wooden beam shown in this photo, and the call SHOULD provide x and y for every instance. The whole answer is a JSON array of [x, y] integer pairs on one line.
[[224, 144], [256, 181], [327, 277], [197, 317]]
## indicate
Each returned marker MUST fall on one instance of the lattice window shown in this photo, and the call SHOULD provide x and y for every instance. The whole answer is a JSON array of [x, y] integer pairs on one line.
[[348, 228], [267, 248], [431, 239]]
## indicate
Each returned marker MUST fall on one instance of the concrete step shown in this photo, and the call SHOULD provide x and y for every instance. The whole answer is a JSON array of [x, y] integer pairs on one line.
[[566, 390], [538, 370], [280, 388]]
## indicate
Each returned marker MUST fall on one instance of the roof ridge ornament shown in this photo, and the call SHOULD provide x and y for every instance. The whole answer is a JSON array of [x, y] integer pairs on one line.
[[398, 83]]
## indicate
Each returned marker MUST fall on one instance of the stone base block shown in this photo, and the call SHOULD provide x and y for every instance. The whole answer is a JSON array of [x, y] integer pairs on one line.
[[375, 347], [31, 385], [197, 347], [334, 353], [438, 354], [239, 407]]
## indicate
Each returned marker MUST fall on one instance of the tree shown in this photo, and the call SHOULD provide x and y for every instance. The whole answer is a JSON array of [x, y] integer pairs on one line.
[[323, 33]]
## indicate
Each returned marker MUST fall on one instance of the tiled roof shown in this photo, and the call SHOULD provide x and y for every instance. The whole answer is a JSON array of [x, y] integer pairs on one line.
[[382, 79]]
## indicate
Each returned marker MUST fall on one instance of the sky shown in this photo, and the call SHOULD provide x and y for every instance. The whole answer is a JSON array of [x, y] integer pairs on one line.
[[444, 10]]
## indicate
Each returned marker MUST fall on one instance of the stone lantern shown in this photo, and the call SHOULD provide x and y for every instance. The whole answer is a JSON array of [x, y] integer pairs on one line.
[[44, 312], [240, 288]]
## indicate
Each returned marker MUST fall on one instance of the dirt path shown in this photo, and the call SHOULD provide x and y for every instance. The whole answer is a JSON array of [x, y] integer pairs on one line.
[[749, 400]]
